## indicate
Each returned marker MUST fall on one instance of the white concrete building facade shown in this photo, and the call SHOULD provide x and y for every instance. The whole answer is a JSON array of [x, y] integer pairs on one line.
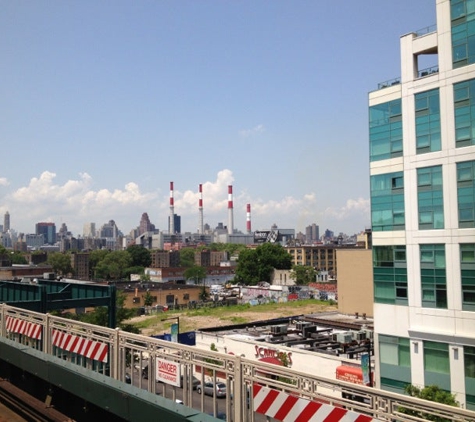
[[422, 169]]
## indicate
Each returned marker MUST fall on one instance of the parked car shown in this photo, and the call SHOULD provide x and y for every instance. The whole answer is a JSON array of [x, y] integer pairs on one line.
[[128, 379], [209, 387], [195, 382]]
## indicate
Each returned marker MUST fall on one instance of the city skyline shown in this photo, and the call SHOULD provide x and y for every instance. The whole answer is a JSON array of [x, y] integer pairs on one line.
[[102, 107]]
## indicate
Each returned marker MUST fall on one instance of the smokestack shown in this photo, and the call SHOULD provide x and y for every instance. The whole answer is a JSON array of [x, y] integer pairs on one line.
[[230, 210], [248, 219], [172, 210], [200, 208]]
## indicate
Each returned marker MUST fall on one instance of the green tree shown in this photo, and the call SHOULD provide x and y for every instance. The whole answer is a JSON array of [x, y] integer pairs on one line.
[[148, 299], [255, 265], [18, 258], [99, 316], [195, 273], [61, 263], [303, 274], [114, 265], [431, 393], [95, 257], [187, 257], [140, 256]]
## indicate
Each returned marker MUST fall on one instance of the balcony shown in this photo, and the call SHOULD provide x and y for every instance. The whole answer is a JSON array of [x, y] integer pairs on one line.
[[425, 31], [391, 82], [428, 71]]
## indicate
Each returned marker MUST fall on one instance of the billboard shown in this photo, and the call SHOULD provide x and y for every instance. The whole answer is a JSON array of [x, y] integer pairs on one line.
[[168, 372], [267, 236]]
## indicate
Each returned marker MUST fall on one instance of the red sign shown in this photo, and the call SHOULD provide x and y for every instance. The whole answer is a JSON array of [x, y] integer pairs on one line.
[[264, 352], [168, 372]]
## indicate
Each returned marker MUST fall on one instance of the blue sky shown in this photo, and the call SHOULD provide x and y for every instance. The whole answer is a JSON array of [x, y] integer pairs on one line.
[[103, 103]]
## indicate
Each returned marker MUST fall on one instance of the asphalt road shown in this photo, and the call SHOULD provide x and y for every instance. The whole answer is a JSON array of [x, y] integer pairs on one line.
[[211, 405]]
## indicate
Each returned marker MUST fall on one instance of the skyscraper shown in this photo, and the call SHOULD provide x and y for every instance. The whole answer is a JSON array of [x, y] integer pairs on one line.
[[48, 230], [312, 233], [6, 222], [422, 181]]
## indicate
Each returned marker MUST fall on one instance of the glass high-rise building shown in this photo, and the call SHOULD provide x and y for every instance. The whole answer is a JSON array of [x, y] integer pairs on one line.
[[422, 171], [48, 230]]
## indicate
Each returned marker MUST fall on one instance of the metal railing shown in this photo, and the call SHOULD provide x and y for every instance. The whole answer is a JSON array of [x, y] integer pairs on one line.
[[132, 354], [428, 71], [426, 30], [390, 82]]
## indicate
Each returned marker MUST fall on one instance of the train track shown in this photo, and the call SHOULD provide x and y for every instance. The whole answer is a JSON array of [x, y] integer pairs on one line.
[[28, 407]]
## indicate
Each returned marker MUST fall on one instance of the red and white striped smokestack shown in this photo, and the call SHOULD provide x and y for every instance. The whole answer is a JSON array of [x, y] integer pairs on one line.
[[230, 210], [172, 211], [248, 218], [200, 208]]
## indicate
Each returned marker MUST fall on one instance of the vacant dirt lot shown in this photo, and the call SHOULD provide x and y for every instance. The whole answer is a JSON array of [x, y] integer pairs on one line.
[[228, 317]]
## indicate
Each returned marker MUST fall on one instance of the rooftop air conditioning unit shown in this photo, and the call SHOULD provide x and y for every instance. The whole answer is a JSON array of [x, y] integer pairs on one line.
[[278, 329], [301, 324], [369, 334], [344, 337], [359, 335]]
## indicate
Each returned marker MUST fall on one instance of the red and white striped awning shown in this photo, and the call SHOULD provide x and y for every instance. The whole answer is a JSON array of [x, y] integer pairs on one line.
[[288, 408], [81, 346], [27, 328]]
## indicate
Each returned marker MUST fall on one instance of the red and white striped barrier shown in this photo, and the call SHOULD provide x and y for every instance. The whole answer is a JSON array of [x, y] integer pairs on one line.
[[20, 326], [75, 344], [287, 408]]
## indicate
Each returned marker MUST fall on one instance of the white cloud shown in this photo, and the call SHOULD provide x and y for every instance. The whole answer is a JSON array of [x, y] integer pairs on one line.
[[75, 202], [4, 181], [359, 205], [246, 133]]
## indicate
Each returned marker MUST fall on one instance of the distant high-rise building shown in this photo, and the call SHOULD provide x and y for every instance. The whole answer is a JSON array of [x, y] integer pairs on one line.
[[176, 224], [89, 230], [109, 230], [48, 230], [6, 222], [145, 224], [312, 233], [422, 191]]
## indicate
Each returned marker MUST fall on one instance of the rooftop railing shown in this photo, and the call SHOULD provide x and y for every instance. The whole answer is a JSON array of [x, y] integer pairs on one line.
[[426, 30], [390, 82], [428, 71]]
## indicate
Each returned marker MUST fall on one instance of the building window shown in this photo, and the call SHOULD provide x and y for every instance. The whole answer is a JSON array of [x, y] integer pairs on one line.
[[390, 275], [466, 194], [433, 276], [436, 357], [463, 35], [385, 130], [395, 363], [394, 351], [427, 121], [464, 113], [430, 198], [469, 362], [467, 267], [387, 202]]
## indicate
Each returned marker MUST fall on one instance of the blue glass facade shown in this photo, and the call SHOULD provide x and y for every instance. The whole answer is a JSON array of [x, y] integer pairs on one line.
[[390, 274], [385, 130], [464, 110], [427, 106], [463, 32], [466, 194], [387, 202], [430, 198], [433, 276], [467, 268]]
